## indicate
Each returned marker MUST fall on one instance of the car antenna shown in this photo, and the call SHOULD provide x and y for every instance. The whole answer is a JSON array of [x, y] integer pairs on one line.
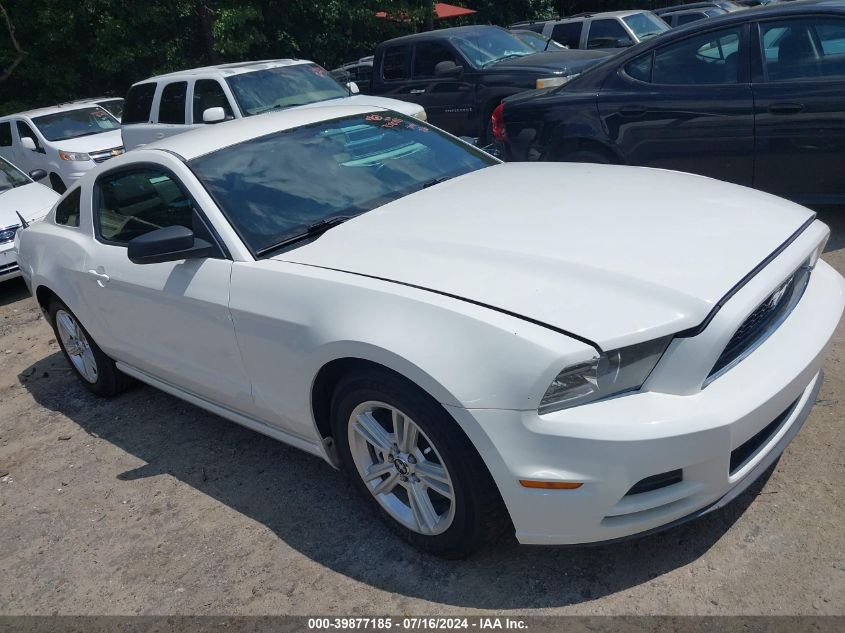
[[24, 223]]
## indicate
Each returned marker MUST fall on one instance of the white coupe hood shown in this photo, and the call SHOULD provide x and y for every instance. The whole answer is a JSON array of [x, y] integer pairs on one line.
[[604, 252], [33, 201]]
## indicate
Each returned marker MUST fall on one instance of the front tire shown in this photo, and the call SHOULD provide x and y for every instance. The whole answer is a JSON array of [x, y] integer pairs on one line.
[[96, 371], [416, 467]]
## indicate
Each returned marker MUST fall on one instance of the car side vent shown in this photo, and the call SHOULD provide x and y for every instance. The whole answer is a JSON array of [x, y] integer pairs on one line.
[[656, 482]]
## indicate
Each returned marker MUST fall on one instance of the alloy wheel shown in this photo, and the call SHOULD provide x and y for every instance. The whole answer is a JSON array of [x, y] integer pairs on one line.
[[77, 346], [401, 468]]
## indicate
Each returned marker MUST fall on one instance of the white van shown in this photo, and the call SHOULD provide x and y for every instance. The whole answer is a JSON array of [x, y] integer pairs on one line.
[[64, 140], [177, 102]]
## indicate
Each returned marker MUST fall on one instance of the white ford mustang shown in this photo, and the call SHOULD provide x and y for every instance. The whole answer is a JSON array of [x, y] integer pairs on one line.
[[576, 353]]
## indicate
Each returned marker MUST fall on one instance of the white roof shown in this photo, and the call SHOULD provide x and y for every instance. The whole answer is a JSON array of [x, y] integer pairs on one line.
[[228, 70], [211, 138], [62, 107]]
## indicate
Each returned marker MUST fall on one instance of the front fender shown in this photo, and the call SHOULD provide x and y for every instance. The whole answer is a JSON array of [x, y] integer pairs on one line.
[[292, 319]]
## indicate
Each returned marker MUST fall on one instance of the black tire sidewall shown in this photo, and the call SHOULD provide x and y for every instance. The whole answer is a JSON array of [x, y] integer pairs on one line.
[[465, 534], [109, 380]]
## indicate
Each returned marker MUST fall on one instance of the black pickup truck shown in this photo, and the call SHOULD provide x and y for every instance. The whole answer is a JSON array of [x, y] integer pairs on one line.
[[460, 75]]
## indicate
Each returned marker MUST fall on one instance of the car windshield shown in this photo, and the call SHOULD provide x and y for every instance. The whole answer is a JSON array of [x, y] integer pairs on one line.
[[486, 46], [276, 88], [114, 106], [539, 42], [11, 176], [75, 123], [275, 187], [645, 25]]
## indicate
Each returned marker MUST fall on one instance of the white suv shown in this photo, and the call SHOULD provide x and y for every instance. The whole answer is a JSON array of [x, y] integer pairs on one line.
[[177, 102], [64, 140]]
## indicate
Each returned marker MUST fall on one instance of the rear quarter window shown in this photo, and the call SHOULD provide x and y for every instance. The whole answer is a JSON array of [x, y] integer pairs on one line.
[[395, 64], [139, 103]]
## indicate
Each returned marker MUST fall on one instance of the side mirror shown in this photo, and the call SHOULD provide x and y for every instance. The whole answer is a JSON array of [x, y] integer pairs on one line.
[[27, 142], [353, 88], [38, 174], [448, 69], [213, 115], [170, 244]]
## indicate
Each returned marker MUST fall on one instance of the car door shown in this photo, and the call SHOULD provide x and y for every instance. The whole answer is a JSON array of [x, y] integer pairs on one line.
[[171, 117], [170, 320], [7, 147], [799, 108], [27, 159], [448, 100], [136, 124], [685, 106], [206, 94]]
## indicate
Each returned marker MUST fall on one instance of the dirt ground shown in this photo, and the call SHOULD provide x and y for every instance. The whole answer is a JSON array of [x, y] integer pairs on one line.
[[147, 505]]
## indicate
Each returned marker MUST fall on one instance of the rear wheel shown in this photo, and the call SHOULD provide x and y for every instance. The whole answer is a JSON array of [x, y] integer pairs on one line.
[[57, 184], [96, 371], [416, 467]]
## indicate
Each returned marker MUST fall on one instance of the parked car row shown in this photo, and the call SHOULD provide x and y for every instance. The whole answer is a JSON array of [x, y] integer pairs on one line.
[[751, 97]]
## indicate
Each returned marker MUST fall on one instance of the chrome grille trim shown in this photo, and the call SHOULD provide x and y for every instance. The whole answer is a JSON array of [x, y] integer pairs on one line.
[[103, 155], [762, 322]]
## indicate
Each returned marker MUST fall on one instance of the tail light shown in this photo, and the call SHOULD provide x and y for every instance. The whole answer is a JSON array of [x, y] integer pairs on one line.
[[498, 118]]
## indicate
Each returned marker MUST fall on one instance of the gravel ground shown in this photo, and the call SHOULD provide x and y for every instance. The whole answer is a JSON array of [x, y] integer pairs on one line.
[[147, 505]]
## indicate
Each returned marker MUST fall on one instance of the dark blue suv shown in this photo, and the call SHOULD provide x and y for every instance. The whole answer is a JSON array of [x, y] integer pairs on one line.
[[754, 97]]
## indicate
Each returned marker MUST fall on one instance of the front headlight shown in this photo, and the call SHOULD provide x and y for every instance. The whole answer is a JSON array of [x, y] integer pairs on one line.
[[79, 156], [611, 373], [551, 82]]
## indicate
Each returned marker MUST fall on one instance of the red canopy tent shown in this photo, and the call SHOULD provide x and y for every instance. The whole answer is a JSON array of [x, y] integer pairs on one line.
[[442, 11]]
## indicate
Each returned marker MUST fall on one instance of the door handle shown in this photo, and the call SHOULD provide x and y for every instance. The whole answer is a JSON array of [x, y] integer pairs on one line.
[[786, 108], [632, 111], [416, 91], [102, 278]]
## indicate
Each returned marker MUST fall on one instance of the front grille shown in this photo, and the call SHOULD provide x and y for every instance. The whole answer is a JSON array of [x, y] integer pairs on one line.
[[745, 452], [104, 154], [763, 321], [8, 234], [9, 268], [656, 482]]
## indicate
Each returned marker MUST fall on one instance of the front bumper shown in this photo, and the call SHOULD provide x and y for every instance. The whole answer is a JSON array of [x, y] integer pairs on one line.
[[612, 445], [8, 262]]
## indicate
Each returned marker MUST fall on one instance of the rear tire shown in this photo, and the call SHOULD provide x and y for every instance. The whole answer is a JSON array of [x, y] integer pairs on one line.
[[425, 479], [96, 371], [57, 184]]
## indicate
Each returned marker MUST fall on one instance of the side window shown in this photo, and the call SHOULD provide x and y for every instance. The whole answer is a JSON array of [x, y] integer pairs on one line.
[[712, 58], [804, 48], [171, 109], [208, 93], [640, 68], [67, 212], [25, 130], [686, 18], [139, 104], [426, 57], [133, 203], [395, 66], [607, 34], [568, 33], [5, 134], [364, 74]]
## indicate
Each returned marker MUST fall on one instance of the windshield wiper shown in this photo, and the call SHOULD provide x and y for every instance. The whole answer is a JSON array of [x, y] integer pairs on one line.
[[312, 231], [434, 181], [501, 59]]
